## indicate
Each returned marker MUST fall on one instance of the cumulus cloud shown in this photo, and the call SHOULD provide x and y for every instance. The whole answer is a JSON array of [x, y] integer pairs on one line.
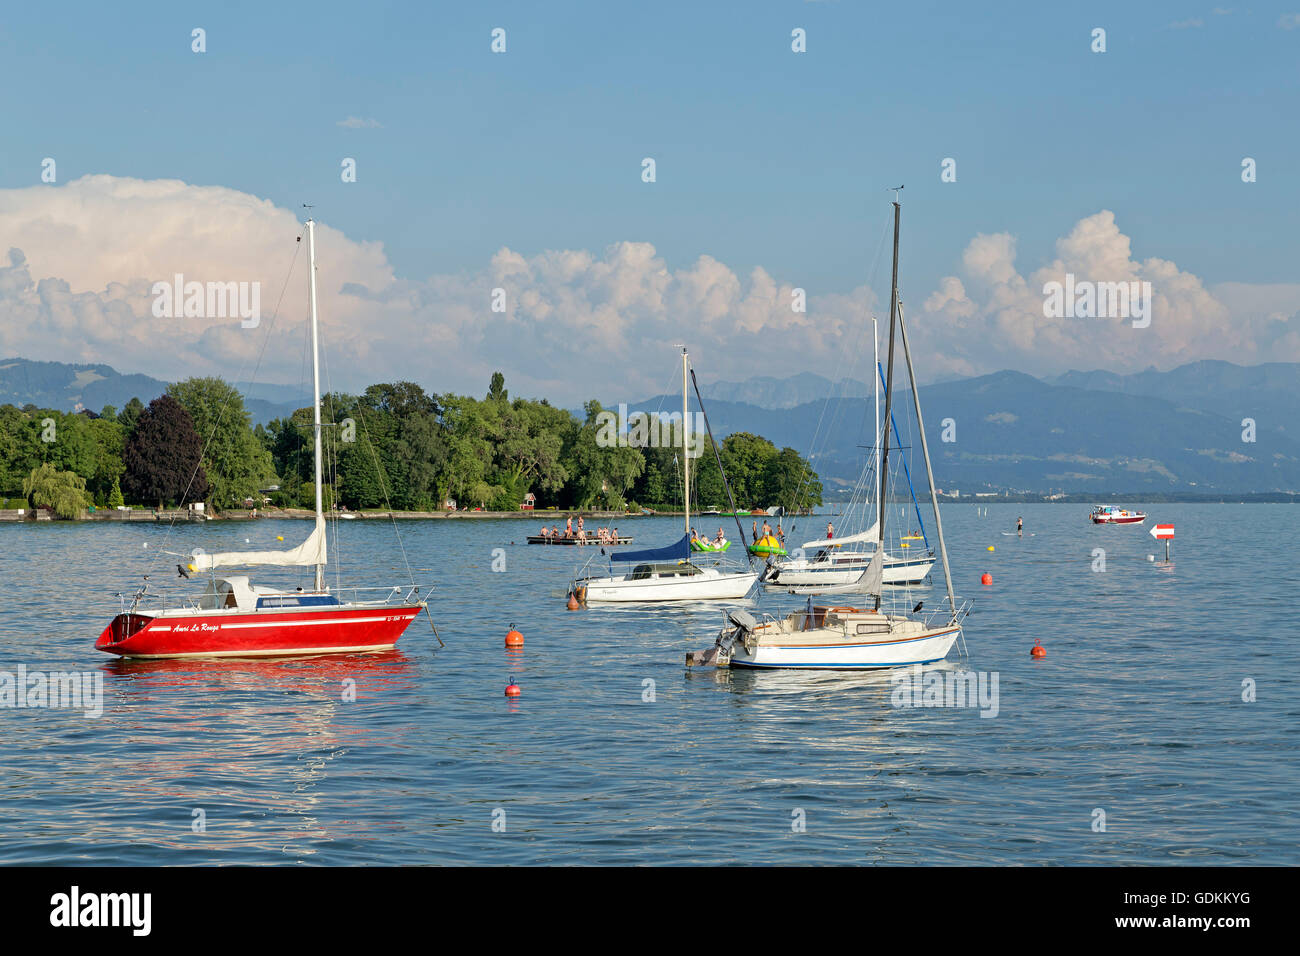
[[357, 122], [995, 319], [77, 287]]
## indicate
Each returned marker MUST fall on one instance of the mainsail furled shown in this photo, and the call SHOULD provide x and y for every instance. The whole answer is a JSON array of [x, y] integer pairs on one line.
[[310, 552], [872, 534]]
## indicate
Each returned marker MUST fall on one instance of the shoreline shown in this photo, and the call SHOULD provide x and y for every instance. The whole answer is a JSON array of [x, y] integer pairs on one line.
[[138, 515]]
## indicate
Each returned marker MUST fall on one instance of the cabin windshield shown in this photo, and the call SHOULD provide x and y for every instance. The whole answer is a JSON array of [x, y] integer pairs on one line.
[[644, 571]]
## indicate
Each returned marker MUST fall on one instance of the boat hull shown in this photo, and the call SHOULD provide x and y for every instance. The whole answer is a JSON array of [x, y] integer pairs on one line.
[[703, 587], [811, 574], [923, 648], [336, 629]]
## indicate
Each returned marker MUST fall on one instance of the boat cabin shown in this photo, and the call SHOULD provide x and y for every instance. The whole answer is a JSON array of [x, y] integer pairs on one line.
[[674, 569], [237, 593]]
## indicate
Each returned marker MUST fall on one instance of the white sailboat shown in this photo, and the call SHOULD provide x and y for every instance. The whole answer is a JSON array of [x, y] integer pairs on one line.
[[666, 574], [846, 637], [841, 560]]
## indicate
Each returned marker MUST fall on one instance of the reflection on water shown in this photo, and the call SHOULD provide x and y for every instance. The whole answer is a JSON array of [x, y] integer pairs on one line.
[[615, 752]]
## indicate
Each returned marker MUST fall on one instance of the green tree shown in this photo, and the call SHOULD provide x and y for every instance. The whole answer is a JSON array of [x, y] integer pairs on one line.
[[109, 437], [530, 450], [20, 448], [61, 491], [235, 462], [791, 482], [130, 414], [163, 456], [471, 431], [601, 475]]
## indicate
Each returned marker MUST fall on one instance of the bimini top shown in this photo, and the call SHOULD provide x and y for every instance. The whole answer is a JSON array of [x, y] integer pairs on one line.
[[679, 551]]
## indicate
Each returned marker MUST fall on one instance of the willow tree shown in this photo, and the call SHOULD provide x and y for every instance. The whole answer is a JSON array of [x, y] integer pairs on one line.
[[63, 492]]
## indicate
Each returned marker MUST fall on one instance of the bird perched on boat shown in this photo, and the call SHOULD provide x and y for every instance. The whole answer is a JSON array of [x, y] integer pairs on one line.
[[917, 609], [181, 572]]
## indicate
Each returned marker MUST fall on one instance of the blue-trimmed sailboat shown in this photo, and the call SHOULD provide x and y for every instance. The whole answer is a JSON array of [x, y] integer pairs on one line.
[[822, 637], [666, 574]]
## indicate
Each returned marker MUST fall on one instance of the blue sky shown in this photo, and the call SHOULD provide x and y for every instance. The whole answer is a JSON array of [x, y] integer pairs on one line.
[[764, 157]]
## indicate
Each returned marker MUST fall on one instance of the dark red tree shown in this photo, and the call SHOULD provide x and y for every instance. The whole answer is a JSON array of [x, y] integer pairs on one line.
[[163, 457]]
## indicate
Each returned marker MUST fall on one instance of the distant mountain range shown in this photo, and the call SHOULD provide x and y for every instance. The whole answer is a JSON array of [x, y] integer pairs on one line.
[[1176, 431], [766, 392], [71, 388], [1081, 432]]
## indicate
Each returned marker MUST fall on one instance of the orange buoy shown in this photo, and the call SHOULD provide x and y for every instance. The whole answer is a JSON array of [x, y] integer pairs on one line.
[[573, 601], [514, 638], [512, 689], [986, 578], [1038, 650]]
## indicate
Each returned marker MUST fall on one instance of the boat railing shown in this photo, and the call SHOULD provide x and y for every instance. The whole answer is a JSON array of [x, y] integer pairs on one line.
[[166, 598]]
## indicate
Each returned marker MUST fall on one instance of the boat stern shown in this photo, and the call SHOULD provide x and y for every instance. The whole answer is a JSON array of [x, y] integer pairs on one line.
[[116, 637]]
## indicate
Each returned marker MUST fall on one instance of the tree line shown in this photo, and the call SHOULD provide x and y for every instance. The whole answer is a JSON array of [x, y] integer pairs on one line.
[[393, 446]]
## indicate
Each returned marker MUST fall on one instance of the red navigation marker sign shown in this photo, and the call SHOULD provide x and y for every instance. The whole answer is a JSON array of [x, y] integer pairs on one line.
[[1162, 531]]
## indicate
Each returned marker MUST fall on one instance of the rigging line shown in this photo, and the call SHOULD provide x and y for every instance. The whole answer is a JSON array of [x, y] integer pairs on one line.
[[221, 415], [908, 471], [804, 478], [383, 486], [717, 457], [331, 463]]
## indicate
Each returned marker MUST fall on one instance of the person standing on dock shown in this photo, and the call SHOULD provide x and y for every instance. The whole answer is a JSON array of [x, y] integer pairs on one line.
[[568, 527]]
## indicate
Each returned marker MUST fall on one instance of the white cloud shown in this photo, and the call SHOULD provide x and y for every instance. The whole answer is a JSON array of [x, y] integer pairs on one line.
[[577, 323], [1003, 326], [356, 122]]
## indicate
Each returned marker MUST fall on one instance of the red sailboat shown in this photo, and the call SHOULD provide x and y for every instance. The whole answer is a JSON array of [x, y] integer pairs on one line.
[[233, 617]]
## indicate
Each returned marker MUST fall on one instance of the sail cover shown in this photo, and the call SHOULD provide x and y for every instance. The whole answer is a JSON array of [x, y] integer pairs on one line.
[[310, 552], [869, 583], [674, 552], [862, 537]]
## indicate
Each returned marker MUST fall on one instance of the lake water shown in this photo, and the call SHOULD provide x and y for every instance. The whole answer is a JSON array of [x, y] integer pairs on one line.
[[1136, 711]]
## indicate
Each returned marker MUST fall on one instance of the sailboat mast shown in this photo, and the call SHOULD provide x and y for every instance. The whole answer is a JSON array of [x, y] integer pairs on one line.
[[315, 382], [875, 382], [686, 458], [889, 387], [929, 473]]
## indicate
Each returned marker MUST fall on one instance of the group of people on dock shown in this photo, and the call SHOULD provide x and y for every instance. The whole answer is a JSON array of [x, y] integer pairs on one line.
[[579, 533]]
